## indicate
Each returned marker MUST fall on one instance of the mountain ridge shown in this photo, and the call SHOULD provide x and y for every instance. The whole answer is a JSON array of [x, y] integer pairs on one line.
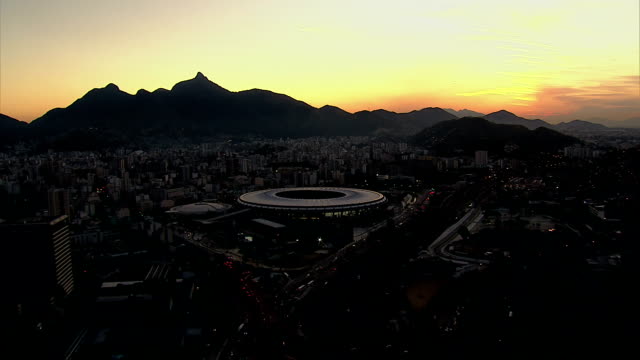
[[469, 134], [202, 107], [580, 125], [464, 113], [508, 118], [7, 122]]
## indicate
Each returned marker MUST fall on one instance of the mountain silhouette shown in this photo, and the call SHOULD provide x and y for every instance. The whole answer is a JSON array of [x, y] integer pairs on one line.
[[7, 122], [414, 121], [507, 118], [12, 130], [464, 113], [469, 134], [578, 126], [200, 106]]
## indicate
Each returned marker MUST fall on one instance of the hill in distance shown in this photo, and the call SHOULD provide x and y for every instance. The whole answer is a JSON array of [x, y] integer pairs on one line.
[[507, 118], [7, 122], [471, 133], [411, 122], [199, 107], [578, 126], [195, 106], [12, 130], [464, 113], [630, 123]]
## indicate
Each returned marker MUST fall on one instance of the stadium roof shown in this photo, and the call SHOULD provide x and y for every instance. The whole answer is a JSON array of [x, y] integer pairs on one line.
[[200, 208], [312, 198]]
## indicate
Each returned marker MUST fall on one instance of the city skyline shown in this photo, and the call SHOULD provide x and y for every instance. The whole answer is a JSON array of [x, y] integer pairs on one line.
[[577, 60], [338, 180]]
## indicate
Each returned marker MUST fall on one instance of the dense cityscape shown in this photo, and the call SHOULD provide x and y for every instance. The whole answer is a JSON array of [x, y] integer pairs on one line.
[[468, 254], [304, 180]]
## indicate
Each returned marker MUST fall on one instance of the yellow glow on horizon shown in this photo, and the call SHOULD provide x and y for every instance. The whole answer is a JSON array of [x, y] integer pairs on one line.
[[355, 54]]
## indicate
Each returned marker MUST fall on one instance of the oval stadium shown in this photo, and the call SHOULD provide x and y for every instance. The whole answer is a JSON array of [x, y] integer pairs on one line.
[[329, 200]]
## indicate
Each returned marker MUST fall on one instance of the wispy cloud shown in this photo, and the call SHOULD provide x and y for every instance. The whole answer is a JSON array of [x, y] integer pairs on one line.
[[514, 92], [616, 99]]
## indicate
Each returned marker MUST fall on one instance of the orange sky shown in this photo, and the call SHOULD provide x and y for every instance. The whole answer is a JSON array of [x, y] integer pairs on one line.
[[558, 60]]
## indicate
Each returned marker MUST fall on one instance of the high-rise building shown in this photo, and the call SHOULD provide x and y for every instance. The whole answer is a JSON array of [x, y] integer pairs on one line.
[[482, 158], [245, 165], [126, 182], [185, 172], [36, 259], [59, 202]]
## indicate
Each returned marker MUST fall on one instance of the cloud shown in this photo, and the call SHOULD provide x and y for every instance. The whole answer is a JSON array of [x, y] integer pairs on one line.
[[506, 91], [615, 99]]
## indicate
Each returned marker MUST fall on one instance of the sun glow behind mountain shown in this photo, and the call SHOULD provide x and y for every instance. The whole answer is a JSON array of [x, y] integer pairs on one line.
[[550, 59]]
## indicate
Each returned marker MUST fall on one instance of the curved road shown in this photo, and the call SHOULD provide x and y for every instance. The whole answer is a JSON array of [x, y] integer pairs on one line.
[[440, 246]]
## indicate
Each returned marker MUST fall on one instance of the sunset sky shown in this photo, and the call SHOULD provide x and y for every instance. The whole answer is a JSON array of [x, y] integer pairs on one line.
[[556, 60]]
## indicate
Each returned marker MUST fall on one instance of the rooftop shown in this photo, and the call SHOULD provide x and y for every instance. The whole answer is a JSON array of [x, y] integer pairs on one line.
[[312, 198], [269, 223], [199, 208]]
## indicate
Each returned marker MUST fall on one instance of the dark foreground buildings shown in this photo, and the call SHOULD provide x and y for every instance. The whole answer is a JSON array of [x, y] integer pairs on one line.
[[37, 275], [36, 258]]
